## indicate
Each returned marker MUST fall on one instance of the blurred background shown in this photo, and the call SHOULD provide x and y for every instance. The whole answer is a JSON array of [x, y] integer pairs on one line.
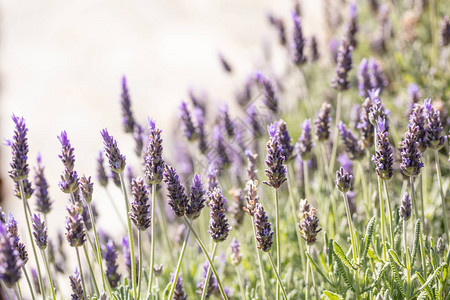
[[62, 63]]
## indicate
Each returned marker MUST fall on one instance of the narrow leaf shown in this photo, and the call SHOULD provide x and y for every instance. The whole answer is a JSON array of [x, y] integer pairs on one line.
[[340, 254], [368, 237], [396, 259], [316, 267], [396, 275], [333, 296]]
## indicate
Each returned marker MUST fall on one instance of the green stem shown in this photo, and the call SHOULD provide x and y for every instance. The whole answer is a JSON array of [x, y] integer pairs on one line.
[[24, 200], [441, 191], [307, 287], [208, 273], [200, 243], [336, 131], [277, 230], [180, 260], [130, 235], [353, 240], [408, 260], [261, 272], [5, 289], [28, 281], [140, 264], [380, 197], [391, 230], [90, 269], [422, 248], [312, 276], [152, 240], [81, 273], [99, 253], [20, 290], [278, 276], [44, 258]]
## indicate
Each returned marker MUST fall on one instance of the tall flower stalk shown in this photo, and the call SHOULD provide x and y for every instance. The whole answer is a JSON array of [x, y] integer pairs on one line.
[[405, 214]]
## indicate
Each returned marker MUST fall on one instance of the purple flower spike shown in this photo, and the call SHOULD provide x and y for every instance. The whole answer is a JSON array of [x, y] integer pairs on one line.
[[434, 127], [264, 232], [19, 150], [305, 143], [224, 117], [383, 158], [77, 287], [10, 263], [309, 223], [285, 140], [75, 232], [343, 180], [366, 128], [177, 198], [299, 41], [140, 207], [196, 198], [110, 256], [364, 84], [218, 223], [406, 207], [178, 293], [67, 156], [222, 158], [413, 98], [377, 109], [39, 231], [138, 135], [12, 229], [270, 99], [279, 26], [344, 65], [353, 148], [225, 64], [236, 255], [352, 27], [117, 161], [102, 177], [411, 162], [125, 103], [187, 123], [377, 78], [43, 201], [276, 170], [444, 31], [201, 131], [417, 118], [154, 163], [314, 51], [322, 123], [87, 188], [252, 171]]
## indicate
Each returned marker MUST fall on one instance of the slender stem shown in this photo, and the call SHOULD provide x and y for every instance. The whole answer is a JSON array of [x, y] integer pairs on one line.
[[441, 191], [152, 238], [81, 273], [380, 197], [422, 248], [350, 225], [91, 270], [44, 258], [140, 264], [28, 281], [5, 289], [336, 134], [200, 243], [180, 260], [312, 276], [307, 287], [277, 229], [294, 217], [20, 290], [261, 272], [391, 229], [130, 235], [278, 276], [408, 260], [241, 282], [208, 273], [306, 179], [24, 200], [99, 253]]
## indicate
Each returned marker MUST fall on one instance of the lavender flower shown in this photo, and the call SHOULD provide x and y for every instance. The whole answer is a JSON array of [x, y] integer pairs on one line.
[[211, 176], [19, 150], [196, 199], [343, 180], [264, 233], [434, 127], [444, 31], [345, 162], [77, 288], [125, 103], [140, 207], [157, 270], [43, 201], [405, 208], [244, 95], [200, 128], [67, 156], [352, 27], [75, 233], [10, 263], [309, 224], [366, 128], [383, 158], [279, 26], [28, 190], [411, 162], [117, 161], [69, 182], [87, 188], [235, 209], [186, 121], [413, 98], [252, 197], [314, 51], [270, 99], [236, 255], [322, 122], [178, 293], [110, 256], [276, 170], [305, 144], [222, 158], [2, 216], [39, 231], [12, 229], [299, 41], [178, 200], [102, 178], [212, 283], [364, 83], [333, 46], [285, 140], [225, 64], [377, 78], [254, 122], [218, 223], [440, 247], [343, 67], [353, 148], [225, 119], [252, 171], [115, 178], [35, 278], [377, 109], [418, 119], [138, 136], [154, 163]]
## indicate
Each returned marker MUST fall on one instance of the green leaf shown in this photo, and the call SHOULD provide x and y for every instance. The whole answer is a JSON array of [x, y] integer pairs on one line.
[[368, 237], [396, 259], [316, 267], [416, 241], [333, 296], [396, 275], [432, 276], [340, 254], [373, 256], [427, 289], [422, 296]]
